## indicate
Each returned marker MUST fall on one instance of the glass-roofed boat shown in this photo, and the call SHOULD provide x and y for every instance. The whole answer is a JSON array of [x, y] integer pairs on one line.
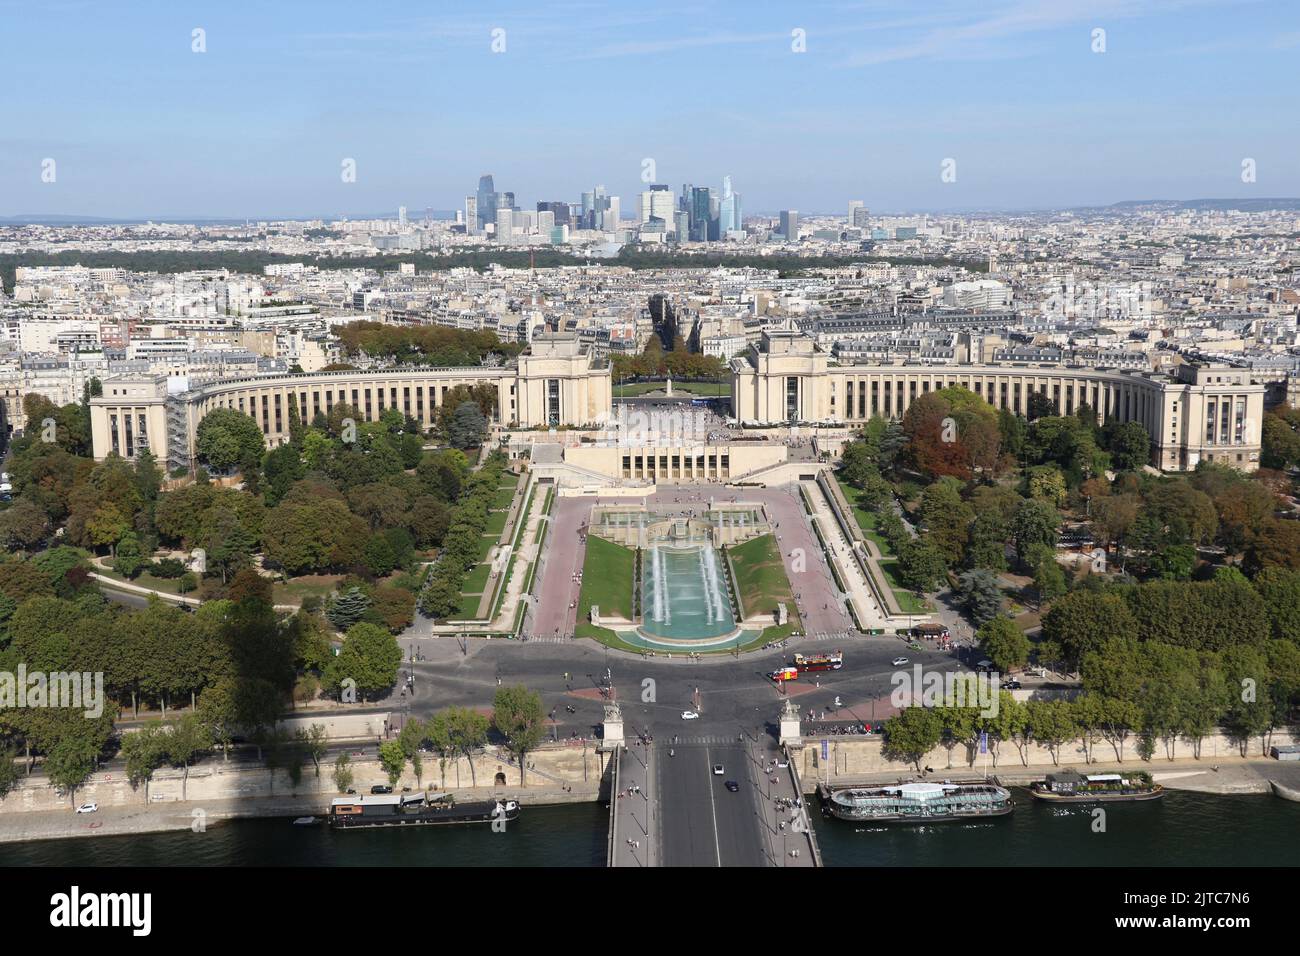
[[919, 802]]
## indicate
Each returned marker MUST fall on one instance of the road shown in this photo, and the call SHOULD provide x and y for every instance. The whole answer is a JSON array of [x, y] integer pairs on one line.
[[702, 822]]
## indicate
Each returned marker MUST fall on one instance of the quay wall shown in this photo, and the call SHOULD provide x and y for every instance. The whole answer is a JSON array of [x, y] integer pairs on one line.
[[850, 758], [562, 768]]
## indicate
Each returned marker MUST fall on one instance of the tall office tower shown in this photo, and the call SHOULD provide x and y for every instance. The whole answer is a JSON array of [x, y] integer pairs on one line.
[[472, 223], [790, 224], [559, 210], [505, 200], [545, 221], [861, 218], [657, 203], [505, 222], [728, 208], [401, 217], [487, 200], [715, 216], [682, 225], [610, 221], [588, 210], [854, 206], [700, 202]]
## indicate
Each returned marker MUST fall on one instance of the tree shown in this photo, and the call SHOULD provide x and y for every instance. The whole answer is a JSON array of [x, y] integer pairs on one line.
[[128, 559], [145, 750], [518, 716], [857, 463], [9, 771], [346, 609], [379, 558], [370, 656], [24, 526], [1276, 546], [1035, 522], [393, 759], [468, 426], [1281, 439], [1280, 589], [1129, 445], [1005, 644], [1040, 406], [226, 438], [946, 518], [980, 595], [912, 734], [468, 730], [1049, 580], [313, 535], [1048, 484], [921, 566], [282, 467], [394, 607], [186, 739], [1052, 724], [343, 773], [411, 737], [1082, 620]]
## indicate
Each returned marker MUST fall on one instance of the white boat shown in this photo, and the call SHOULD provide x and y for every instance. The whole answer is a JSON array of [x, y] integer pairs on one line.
[[305, 822]]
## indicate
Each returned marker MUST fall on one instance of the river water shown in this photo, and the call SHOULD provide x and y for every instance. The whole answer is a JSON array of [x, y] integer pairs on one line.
[[1183, 829]]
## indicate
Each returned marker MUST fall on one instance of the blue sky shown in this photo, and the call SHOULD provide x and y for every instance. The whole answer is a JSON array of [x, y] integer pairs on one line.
[[139, 125]]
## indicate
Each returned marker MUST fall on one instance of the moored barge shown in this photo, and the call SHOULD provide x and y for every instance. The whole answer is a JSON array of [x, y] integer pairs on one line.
[[917, 803], [404, 810], [1070, 786]]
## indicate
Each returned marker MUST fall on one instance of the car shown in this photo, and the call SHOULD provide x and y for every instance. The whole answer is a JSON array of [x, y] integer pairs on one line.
[[380, 788], [690, 715], [783, 764], [898, 661], [717, 769], [1011, 684], [88, 808], [732, 786]]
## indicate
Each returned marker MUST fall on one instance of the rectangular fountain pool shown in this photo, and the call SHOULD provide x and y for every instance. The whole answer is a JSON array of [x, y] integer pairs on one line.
[[684, 593]]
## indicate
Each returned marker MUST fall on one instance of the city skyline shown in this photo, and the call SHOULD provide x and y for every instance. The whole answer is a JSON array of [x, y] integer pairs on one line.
[[256, 117]]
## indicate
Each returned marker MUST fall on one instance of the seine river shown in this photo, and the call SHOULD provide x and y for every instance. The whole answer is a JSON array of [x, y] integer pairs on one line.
[[1184, 829]]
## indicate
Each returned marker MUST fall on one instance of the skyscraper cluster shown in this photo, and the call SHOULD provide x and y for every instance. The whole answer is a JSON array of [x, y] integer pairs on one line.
[[696, 214]]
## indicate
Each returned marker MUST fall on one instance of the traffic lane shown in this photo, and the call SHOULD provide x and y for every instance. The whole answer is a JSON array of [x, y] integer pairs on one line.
[[739, 826], [688, 832]]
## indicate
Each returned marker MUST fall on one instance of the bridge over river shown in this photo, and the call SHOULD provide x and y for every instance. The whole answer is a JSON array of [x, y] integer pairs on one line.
[[670, 807]]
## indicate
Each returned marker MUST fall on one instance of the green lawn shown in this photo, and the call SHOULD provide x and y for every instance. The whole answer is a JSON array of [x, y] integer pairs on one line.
[[476, 580], [906, 599], [485, 542], [468, 609], [496, 523], [606, 578], [760, 576], [866, 519]]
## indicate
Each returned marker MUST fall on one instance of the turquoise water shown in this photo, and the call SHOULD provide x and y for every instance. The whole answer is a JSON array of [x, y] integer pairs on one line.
[[683, 594]]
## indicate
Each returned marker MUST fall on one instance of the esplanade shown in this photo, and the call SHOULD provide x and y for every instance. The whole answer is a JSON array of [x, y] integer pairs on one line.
[[556, 381], [1211, 412]]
